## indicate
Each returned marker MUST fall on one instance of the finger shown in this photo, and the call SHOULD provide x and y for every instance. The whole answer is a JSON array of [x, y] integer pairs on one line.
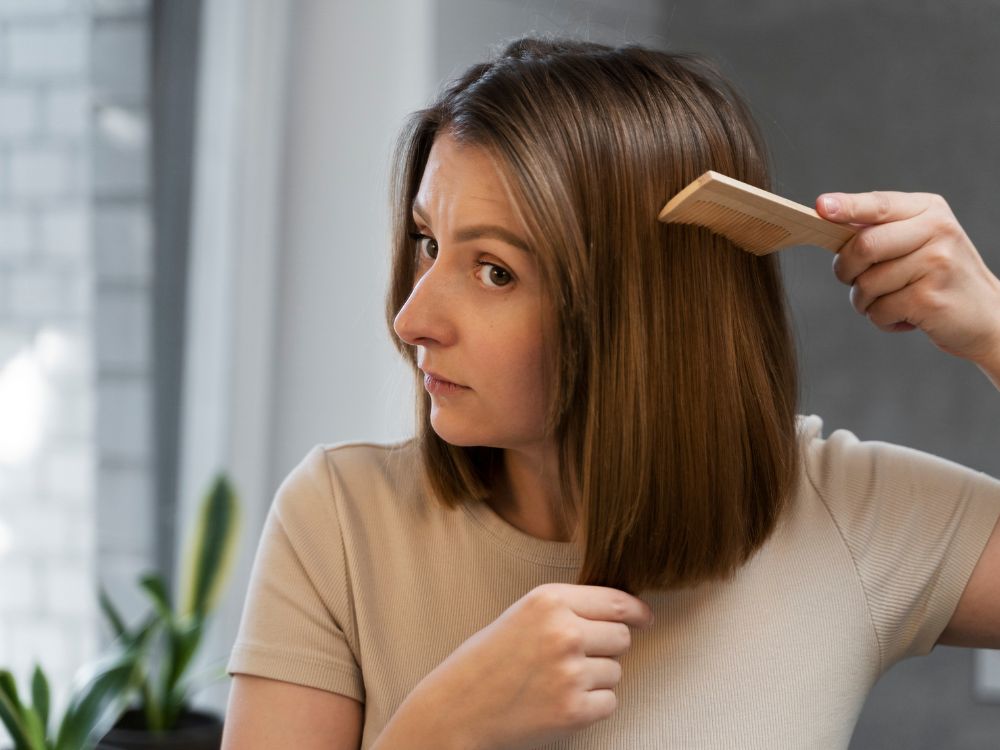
[[605, 638], [880, 243], [602, 672], [598, 702], [899, 311], [885, 278], [604, 603], [872, 208]]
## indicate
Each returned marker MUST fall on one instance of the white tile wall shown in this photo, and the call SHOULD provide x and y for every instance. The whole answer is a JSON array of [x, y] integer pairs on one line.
[[122, 153], [20, 9], [79, 508], [16, 481], [66, 112], [15, 235], [69, 588], [123, 317], [48, 50], [123, 243], [126, 497], [120, 7], [20, 112], [20, 590], [120, 41], [70, 420], [65, 234], [44, 172], [67, 476], [38, 293], [123, 419]]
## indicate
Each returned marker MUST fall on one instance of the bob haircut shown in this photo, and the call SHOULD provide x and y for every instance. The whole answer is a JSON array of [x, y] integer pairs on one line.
[[675, 379]]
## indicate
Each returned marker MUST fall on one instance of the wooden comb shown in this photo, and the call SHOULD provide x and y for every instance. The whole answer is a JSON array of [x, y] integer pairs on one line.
[[756, 220]]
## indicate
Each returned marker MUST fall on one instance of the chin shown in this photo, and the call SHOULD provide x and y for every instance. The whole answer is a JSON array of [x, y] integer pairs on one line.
[[463, 435]]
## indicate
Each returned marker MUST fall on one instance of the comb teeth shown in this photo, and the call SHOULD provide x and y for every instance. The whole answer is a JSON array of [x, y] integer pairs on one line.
[[756, 235], [753, 219]]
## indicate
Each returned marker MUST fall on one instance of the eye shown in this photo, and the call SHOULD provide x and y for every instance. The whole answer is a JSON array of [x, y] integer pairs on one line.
[[499, 276], [417, 237]]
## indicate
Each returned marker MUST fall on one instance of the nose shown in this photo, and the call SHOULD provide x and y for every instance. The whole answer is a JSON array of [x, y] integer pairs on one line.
[[425, 315]]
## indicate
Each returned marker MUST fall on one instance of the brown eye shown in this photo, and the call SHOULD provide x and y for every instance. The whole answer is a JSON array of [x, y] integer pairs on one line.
[[498, 275], [418, 238]]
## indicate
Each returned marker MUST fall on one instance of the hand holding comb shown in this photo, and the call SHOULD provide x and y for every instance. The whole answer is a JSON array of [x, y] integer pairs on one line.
[[756, 220]]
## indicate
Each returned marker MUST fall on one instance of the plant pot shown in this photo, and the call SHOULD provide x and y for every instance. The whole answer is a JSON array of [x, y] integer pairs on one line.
[[195, 730]]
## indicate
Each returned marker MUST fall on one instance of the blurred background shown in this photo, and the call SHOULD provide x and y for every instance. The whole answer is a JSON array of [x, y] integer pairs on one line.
[[194, 253]]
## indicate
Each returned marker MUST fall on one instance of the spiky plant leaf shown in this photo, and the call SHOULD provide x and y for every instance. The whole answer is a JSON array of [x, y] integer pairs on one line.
[[211, 549], [105, 695], [156, 588], [11, 712], [117, 623], [40, 695], [36, 729]]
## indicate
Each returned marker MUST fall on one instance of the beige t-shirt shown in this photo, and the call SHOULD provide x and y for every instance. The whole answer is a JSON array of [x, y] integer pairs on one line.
[[362, 586]]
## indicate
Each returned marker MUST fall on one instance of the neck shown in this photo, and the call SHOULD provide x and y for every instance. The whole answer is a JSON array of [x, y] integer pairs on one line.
[[528, 492]]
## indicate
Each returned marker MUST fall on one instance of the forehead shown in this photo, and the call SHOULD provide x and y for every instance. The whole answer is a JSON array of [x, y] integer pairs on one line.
[[458, 175]]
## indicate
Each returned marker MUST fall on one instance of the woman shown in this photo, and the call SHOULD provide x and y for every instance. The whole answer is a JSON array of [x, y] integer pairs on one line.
[[620, 421]]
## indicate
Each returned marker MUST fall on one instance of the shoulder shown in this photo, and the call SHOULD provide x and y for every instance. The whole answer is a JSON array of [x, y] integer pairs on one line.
[[389, 465], [843, 462], [331, 474], [875, 483]]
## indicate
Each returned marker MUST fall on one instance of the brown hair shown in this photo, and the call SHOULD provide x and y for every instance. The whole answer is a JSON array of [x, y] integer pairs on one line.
[[675, 376]]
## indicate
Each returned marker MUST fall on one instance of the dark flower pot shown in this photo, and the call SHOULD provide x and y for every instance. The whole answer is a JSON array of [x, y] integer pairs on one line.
[[195, 730]]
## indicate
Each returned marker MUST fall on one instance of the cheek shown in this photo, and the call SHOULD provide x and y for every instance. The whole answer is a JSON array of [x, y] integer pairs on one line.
[[534, 373]]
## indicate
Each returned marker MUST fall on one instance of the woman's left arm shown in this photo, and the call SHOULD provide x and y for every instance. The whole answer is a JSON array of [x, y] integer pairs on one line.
[[913, 266]]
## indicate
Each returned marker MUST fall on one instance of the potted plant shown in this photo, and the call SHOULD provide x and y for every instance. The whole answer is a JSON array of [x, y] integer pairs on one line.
[[161, 717], [100, 692]]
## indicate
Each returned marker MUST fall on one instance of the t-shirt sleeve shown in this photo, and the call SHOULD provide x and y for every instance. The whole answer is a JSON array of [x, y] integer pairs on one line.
[[298, 622], [916, 525]]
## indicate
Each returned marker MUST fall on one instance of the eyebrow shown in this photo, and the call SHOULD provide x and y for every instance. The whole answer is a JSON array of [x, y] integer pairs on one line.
[[481, 230]]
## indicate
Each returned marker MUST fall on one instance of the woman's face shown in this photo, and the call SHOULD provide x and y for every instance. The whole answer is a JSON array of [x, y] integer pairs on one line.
[[475, 311]]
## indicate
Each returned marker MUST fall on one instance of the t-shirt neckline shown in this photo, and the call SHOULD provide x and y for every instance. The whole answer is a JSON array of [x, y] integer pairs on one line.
[[520, 544]]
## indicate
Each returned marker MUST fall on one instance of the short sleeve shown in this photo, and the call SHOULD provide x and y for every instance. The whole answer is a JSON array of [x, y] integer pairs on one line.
[[915, 524], [298, 621]]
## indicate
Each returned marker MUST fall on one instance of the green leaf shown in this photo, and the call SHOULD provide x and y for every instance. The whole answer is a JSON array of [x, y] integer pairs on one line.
[[11, 712], [117, 623], [151, 707], [102, 693], [9, 687], [40, 695], [211, 550], [186, 637], [145, 634], [36, 729], [154, 586]]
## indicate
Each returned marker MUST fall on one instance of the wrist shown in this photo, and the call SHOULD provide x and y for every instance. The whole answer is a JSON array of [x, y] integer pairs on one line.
[[424, 723], [991, 369], [990, 364]]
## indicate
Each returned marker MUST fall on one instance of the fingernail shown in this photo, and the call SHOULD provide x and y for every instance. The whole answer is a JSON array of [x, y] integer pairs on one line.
[[831, 205]]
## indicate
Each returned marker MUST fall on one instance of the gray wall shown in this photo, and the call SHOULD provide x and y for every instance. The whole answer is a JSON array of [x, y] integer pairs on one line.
[[851, 97]]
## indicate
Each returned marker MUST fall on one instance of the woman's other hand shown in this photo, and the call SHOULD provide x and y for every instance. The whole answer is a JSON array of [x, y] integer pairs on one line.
[[911, 265], [545, 669]]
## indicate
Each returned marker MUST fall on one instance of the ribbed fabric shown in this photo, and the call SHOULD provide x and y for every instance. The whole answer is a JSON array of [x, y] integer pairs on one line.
[[362, 586]]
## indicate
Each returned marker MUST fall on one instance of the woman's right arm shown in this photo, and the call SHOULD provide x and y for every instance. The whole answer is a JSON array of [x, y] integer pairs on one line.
[[274, 715]]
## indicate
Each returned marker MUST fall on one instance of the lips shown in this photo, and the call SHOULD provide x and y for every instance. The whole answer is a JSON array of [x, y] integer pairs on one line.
[[442, 378]]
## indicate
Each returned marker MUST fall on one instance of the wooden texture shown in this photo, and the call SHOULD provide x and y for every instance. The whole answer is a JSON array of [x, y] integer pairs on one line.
[[756, 220]]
